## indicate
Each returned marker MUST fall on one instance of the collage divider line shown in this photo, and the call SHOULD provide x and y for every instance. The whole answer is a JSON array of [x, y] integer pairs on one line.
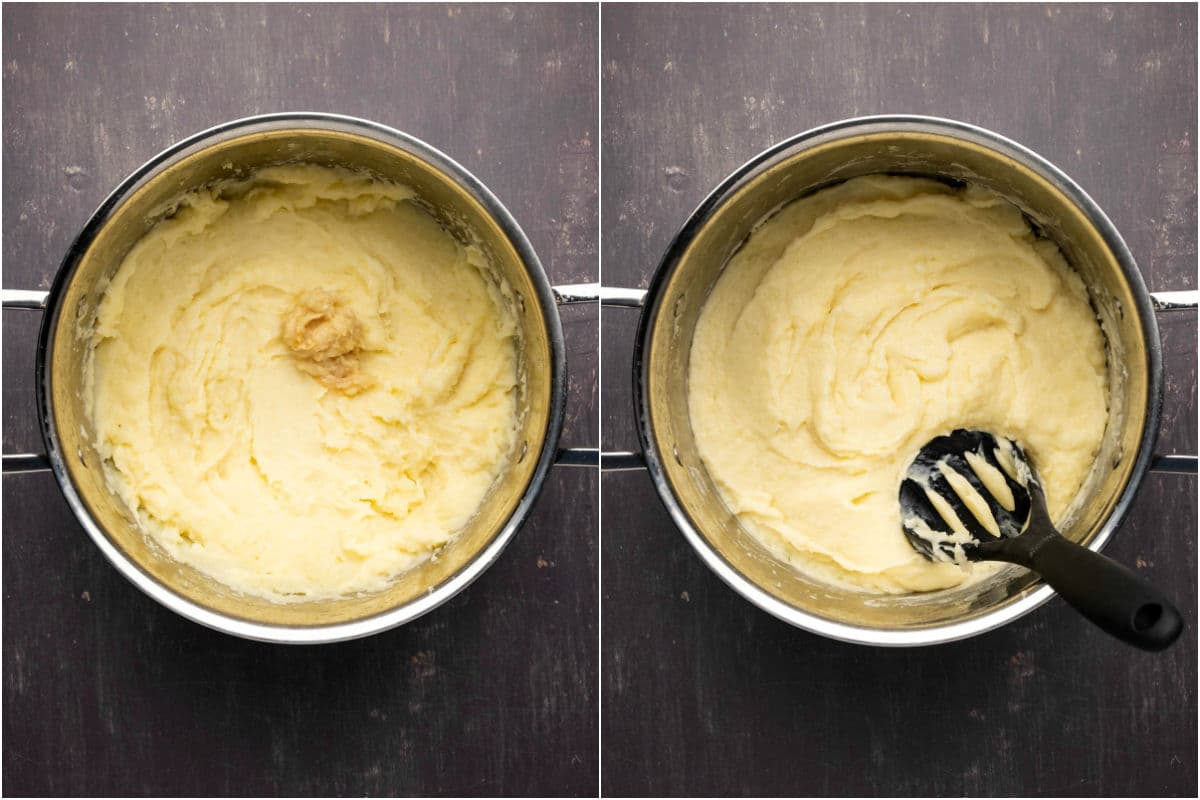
[[599, 400]]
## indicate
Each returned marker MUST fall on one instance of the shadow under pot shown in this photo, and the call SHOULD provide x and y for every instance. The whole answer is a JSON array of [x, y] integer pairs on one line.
[[236, 150], [947, 151]]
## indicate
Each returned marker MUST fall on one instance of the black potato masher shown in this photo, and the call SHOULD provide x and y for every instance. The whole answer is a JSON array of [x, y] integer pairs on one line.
[[972, 496]]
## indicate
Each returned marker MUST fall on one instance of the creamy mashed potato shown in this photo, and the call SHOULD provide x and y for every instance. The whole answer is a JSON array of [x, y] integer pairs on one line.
[[301, 384], [859, 323]]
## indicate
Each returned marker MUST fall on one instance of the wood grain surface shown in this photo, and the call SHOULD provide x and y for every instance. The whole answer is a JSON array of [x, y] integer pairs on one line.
[[105, 692], [703, 694]]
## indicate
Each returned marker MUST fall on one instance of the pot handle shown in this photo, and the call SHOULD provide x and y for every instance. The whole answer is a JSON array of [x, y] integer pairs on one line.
[[30, 301], [621, 460], [577, 294], [1165, 302], [1175, 301], [588, 294]]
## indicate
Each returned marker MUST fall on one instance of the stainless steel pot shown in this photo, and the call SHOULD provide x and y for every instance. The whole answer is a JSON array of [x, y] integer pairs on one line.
[[460, 202], [946, 150]]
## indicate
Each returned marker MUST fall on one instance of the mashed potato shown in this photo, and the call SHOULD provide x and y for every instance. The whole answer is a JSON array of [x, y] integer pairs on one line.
[[301, 384], [859, 323]]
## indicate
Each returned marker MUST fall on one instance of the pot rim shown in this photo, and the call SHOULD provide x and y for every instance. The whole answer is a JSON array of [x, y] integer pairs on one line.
[[375, 623], [1039, 592]]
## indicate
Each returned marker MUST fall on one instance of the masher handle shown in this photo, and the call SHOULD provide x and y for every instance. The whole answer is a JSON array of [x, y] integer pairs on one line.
[[1112, 596]]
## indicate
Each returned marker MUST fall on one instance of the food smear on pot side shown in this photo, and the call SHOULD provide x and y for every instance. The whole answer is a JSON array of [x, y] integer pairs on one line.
[[859, 323], [303, 385]]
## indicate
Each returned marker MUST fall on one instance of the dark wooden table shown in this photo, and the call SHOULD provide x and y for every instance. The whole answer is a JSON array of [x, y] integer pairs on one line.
[[704, 694], [105, 692]]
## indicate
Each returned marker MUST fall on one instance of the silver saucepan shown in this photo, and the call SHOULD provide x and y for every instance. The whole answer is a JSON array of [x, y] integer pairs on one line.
[[236, 149], [946, 150]]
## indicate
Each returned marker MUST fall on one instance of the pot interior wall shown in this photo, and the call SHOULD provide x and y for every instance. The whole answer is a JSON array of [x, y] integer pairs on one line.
[[794, 174], [238, 157]]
